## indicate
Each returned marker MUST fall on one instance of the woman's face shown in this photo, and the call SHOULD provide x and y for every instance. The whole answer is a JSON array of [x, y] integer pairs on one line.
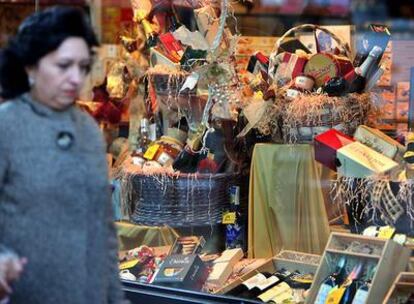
[[59, 76]]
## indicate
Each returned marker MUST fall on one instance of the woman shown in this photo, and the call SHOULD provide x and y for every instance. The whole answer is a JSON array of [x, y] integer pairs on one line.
[[54, 195]]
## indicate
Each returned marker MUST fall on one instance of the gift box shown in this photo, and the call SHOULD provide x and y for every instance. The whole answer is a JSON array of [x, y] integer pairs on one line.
[[220, 273], [358, 160], [327, 145], [295, 64], [380, 142], [182, 271]]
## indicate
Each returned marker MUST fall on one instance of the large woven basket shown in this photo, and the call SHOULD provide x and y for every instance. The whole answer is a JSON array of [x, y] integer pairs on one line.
[[300, 119], [181, 200], [309, 115]]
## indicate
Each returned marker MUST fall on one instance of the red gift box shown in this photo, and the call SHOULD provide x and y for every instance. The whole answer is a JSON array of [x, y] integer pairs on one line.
[[327, 144], [296, 64]]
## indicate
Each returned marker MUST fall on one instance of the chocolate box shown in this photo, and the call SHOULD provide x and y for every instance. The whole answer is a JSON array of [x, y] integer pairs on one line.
[[358, 160], [327, 145], [182, 271], [380, 142]]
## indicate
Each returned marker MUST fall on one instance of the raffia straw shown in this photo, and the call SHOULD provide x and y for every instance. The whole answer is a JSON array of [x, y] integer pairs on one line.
[[347, 190]]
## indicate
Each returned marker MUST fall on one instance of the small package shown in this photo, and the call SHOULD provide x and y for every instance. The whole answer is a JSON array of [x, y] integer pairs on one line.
[[295, 64], [182, 271], [231, 256], [220, 273]]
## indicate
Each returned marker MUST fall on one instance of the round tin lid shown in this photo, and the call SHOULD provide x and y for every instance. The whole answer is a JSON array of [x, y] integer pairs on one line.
[[322, 67]]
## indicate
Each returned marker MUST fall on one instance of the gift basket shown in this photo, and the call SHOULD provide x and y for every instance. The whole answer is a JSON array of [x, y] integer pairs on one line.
[[312, 92], [184, 164], [180, 200]]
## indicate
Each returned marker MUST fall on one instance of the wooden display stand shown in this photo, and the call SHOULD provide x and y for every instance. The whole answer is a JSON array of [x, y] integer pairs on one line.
[[390, 259], [404, 282], [277, 263]]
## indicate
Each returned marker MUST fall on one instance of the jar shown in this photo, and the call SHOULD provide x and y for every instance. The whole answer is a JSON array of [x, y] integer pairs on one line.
[[303, 82]]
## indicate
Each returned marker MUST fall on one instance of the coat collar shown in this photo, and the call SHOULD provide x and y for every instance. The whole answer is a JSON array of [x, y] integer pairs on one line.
[[42, 109]]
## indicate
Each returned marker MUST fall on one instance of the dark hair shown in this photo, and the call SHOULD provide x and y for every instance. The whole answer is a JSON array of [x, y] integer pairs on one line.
[[39, 34]]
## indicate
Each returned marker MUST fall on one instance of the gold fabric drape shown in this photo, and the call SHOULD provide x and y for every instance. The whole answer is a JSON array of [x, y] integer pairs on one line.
[[131, 236], [286, 205]]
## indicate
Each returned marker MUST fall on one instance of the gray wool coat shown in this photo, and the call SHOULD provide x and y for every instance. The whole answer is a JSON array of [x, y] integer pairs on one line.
[[55, 205]]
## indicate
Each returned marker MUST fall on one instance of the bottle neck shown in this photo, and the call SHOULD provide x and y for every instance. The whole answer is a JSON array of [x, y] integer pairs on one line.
[[369, 61]]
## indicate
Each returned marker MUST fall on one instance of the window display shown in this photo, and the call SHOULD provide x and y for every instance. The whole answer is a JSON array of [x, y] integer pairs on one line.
[[260, 151], [253, 150]]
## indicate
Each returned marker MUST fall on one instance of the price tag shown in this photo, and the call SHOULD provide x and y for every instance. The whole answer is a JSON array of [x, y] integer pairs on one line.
[[112, 50], [229, 218], [151, 151], [386, 232], [335, 295]]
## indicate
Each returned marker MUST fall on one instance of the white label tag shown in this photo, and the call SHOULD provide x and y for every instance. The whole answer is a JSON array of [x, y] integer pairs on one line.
[[254, 281], [152, 132], [164, 159], [266, 283]]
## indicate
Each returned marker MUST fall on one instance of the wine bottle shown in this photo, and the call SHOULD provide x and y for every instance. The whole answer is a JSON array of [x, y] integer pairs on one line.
[[334, 279], [264, 285], [249, 284], [144, 139], [362, 293], [266, 293], [189, 157], [150, 33], [235, 232], [143, 143], [357, 77], [173, 23], [351, 284]]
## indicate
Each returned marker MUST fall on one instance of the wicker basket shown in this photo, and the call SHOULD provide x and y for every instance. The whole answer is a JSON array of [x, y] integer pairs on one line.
[[309, 115], [182, 200], [302, 118]]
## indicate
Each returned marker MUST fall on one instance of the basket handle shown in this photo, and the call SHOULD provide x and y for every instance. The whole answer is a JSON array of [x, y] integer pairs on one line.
[[273, 55], [314, 27]]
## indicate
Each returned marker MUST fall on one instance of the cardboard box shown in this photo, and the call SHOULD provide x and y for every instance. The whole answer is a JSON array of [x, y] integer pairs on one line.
[[231, 256], [223, 266], [182, 271], [358, 160], [327, 145], [220, 273]]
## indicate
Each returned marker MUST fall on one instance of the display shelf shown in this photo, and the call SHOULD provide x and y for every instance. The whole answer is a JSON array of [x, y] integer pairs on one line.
[[355, 254], [404, 282], [393, 259], [277, 263]]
